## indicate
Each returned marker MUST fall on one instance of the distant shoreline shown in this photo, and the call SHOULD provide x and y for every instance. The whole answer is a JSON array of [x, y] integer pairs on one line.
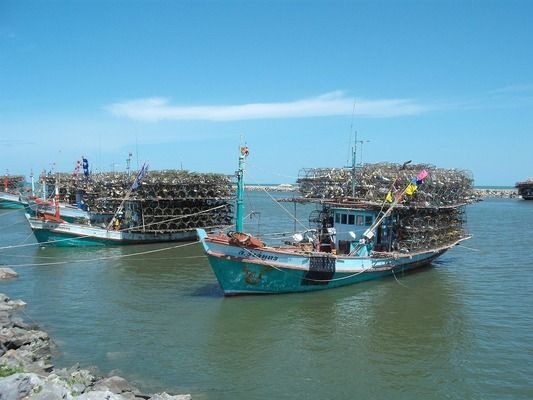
[[497, 193], [482, 191]]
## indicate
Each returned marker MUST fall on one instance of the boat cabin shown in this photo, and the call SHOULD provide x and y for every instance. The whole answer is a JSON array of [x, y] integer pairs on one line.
[[349, 224]]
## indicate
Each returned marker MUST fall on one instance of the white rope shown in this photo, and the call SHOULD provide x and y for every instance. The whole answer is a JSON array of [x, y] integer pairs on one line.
[[10, 225], [399, 283], [468, 248], [103, 258], [173, 219], [11, 212], [284, 209]]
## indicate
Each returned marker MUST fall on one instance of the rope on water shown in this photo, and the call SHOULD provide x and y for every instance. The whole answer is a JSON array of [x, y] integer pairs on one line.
[[10, 225], [11, 212], [399, 283], [104, 258], [468, 248]]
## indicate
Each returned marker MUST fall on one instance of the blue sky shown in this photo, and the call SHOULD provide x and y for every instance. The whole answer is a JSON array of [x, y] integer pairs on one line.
[[179, 83]]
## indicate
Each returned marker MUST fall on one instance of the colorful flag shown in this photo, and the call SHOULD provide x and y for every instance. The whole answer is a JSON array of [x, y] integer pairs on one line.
[[411, 189], [139, 177], [421, 176], [85, 163], [416, 182]]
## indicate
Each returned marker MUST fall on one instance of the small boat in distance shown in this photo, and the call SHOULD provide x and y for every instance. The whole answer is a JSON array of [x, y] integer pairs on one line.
[[354, 242], [525, 189]]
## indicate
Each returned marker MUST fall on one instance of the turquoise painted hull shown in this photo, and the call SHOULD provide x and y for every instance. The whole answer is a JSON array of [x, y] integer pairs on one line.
[[9, 204], [256, 269], [60, 240], [64, 234], [237, 277]]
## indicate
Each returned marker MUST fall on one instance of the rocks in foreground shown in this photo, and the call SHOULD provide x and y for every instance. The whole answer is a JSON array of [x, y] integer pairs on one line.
[[26, 371], [7, 273]]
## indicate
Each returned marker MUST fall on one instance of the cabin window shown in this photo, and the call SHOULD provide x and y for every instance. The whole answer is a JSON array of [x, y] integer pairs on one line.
[[337, 218], [368, 220], [351, 219], [360, 220], [344, 218]]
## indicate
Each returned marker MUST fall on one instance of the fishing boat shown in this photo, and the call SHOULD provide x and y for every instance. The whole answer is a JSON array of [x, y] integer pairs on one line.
[[54, 230], [354, 242], [65, 234], [525, 189]]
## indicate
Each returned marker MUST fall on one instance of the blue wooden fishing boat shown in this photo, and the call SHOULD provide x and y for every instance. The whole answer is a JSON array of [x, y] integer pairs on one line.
[[58, 233], [354, 243]]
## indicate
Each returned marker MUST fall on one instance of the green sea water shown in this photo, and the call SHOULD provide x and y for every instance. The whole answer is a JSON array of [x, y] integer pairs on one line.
[[460, 329]]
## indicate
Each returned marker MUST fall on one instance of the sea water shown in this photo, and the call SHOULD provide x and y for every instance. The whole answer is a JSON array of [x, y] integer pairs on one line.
[[460, 329]]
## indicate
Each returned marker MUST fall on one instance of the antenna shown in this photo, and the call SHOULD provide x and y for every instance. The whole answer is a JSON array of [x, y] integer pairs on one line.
[[137, 150], [351, 130]]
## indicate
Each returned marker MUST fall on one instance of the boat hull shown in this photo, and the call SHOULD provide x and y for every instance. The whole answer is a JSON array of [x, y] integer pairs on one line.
[[10, 201], [238, 277], [74, 235], [241, 270]]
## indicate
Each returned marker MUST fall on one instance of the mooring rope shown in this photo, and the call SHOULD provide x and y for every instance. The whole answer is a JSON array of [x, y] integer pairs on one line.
[[468, 248], [103, 258], [173, 219], [10, 225], [11, 212], [399, 283], [283, 208]]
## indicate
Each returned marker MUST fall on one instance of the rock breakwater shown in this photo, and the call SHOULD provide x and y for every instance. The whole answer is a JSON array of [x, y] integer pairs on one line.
[[496, 193], [26, 371]]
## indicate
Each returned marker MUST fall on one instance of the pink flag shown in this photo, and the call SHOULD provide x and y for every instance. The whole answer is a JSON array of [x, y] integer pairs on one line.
[[422, 175]]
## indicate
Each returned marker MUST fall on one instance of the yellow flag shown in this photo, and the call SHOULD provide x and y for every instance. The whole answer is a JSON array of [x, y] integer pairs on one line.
[[410, 189], [389, 197]]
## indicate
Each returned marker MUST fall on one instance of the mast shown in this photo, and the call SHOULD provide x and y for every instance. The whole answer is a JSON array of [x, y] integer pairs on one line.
[[32, 184], [240, 189], [354, 155], [45, 189], [133, 187], [56, 204]]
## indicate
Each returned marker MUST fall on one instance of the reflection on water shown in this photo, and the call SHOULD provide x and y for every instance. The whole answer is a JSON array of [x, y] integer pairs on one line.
[[459, 329]]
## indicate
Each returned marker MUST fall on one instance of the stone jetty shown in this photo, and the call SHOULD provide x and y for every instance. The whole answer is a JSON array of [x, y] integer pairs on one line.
[[26, 371], [496, 193]]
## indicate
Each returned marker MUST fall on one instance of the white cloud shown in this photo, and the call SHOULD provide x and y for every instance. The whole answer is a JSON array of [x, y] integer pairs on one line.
[[329, 104]]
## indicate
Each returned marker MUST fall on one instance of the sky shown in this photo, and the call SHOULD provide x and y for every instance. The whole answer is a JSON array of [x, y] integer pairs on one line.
[[181, 84]]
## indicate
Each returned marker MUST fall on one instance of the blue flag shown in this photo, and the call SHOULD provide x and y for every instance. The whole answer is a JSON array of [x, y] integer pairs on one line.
[[85, 164], [139, 177]]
